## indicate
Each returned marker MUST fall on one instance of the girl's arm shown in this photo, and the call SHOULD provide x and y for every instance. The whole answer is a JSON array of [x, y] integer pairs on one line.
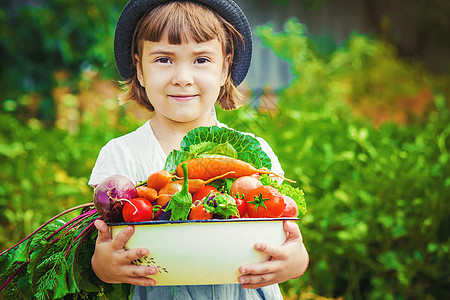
[[287, 262], [112, 263]]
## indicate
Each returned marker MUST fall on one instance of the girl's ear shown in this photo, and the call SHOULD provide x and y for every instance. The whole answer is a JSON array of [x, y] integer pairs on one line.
[[225, 69], [140, 77]]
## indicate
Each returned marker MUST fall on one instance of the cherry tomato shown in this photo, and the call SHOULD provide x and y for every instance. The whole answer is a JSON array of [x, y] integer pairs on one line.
[[147, 192], [264, 202], [290, 207], [198, 212], [241, 206], [199, 195], [137, 210]]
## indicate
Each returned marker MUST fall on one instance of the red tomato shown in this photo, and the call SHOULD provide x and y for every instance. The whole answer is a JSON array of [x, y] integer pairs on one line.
[[199, 195], [241, 206], [264, 202], [198, 212], [147, 192], [290, 207], [137, 210]]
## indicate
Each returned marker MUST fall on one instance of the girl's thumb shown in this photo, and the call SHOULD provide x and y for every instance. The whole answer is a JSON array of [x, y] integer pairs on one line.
[[103, 232], [292, 231]]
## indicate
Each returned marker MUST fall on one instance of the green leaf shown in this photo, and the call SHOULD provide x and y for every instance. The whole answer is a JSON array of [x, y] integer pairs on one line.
[[53, 272], [201, 147], [82, 272], [181, 201], [117, 291], [221, 204], [175, 157], [224, 149], [13, 260], [223, 185], [49, 279]]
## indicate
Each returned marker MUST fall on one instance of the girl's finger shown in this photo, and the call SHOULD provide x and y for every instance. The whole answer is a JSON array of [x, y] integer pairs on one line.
[[292, 231], [103, 232], [256, 281], [131, 255], [135, 271], [142, 281], [271, 250], [262, 268], [257, 285], [119, 241]]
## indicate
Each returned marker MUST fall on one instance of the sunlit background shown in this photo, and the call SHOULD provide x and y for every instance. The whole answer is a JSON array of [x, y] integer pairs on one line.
[[352, 95]]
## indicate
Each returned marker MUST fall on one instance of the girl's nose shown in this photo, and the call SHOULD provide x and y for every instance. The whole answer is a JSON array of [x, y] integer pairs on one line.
[[183, 76]]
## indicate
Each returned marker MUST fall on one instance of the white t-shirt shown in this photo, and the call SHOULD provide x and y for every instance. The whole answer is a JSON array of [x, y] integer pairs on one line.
[[138, 154]]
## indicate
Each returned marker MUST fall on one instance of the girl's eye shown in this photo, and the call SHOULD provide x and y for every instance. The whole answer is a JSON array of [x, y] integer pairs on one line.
[[202, 60], [163, 60]]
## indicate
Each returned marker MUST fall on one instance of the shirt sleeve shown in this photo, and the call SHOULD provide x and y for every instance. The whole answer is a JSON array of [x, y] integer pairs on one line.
[[114, 158]]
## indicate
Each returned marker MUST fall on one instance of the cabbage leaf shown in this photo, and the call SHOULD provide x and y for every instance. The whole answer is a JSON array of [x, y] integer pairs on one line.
[[218, 141]]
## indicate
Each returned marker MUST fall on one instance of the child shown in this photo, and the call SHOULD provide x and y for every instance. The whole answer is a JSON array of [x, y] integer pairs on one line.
[[178, 59]]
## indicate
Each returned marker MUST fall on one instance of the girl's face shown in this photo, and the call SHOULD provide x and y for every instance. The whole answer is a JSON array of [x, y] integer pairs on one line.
[[182, 81]]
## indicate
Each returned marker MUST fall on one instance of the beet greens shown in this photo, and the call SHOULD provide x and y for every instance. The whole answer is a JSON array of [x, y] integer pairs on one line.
[[54, 261]]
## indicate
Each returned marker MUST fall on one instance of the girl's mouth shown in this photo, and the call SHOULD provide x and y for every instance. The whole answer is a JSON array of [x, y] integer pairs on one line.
[[182, 97]]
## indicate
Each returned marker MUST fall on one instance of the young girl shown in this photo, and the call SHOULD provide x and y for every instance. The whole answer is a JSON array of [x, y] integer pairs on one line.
[[179, 58]]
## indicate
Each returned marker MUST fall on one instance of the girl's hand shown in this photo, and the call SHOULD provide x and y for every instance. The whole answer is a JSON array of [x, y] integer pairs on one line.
[[112, 263], [287, 262]]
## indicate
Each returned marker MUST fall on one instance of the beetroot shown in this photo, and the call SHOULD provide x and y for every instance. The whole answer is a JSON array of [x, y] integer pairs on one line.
[[111, 194]]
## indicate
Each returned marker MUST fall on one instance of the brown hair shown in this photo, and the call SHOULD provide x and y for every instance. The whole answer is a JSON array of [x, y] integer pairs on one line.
[[181, 21]]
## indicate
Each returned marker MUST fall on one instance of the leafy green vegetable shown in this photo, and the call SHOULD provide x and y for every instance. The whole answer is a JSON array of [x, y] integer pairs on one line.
[[221, 204], [218, 141], [201, 147], [223, 185], [175, 157], [55, 263], [288, 190], [221, 149], [181, 201], [14, 262]]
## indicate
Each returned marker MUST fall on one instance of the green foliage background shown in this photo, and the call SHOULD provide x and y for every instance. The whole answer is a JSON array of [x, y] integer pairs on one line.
[[378, 219], [377, 225], [49, 36]]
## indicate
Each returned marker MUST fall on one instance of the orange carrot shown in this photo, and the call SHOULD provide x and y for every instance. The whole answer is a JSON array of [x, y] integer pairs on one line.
[[166, 193], [210, 167], [147, 192], [196, 184], [159, 179]]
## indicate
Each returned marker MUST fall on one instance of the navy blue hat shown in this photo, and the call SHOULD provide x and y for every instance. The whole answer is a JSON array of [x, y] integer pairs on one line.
[[135, 10]]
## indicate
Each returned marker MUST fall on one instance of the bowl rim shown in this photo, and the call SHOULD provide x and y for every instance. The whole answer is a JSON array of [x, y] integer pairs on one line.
[[204, 221]]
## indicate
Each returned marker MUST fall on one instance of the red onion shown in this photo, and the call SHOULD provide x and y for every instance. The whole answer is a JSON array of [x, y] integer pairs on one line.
[[111, 194]]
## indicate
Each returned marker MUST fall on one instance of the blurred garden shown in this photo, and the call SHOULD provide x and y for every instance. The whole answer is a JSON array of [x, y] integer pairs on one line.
[[363, 130]]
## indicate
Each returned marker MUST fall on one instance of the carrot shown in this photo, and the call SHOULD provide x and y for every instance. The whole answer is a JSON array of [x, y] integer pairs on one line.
[[147, 192], [166, 193], [196, 184], [210, 167], [159, 179]]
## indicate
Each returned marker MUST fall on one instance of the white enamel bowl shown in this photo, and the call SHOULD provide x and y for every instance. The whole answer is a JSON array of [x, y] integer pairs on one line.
[[202, 252]]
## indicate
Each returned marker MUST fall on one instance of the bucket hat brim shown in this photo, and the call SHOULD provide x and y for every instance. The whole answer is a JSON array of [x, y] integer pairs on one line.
[[134, 10]]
